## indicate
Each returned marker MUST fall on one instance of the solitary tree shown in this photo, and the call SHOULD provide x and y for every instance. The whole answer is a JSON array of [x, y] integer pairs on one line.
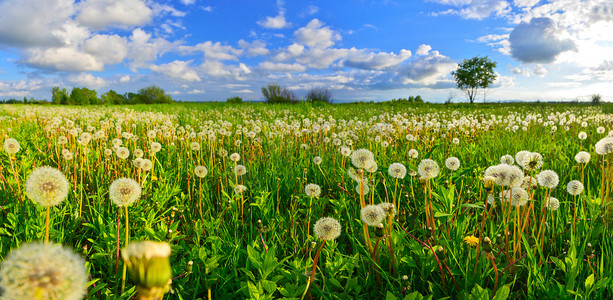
[[474, 74], [276, 94]]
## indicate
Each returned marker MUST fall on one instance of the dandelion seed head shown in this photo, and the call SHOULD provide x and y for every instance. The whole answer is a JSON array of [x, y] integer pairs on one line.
[[397, 170], [389, 208], [146, 164], [532, 161], [43, 271], [317, 160], [452, 163], [516, 195], [235, 157], [239, 189], [362, 159], [47, 186], [11, 146], [240, 170], [413, 153], [372, 215], [200, 171], [582, 157], [604, 146], [582, 135], [548, 179], [345, 151], [155, 147], [519, 157], [312, 190], [427, 169], [122, 152], [507, 159], [124, 191], [552, 203], [327, 229], [574, 187], [362, 189], [600, 130]]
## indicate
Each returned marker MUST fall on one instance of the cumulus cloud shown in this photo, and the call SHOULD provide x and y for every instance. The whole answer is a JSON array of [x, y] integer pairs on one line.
[[255, 48], [62, 59], [316, 35], [214, 51], [218, 69], [20, 88], [281, 67], [178, 70], [125, 79], [538, 41], [423, 49], [100, 14], [196, 91], [87, 80], [28, 23], [277, 22], [376, 61], [143, 48], [475, 9], [538, 70], [426, 70], [108, 49]]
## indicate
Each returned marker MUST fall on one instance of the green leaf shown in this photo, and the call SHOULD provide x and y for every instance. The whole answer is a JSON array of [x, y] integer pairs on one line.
[[439, 214], [390, 296], [558, 263], [502, 293], [589, 281], [413, 296], [478, 293]]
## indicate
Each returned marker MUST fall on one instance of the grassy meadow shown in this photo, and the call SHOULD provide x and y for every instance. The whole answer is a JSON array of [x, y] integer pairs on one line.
[[239, 192]]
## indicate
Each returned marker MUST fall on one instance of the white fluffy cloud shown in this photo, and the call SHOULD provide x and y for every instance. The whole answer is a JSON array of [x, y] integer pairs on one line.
[[475, 9], [213, 51], [538, 41], [178, 70], [426, 70], [108, 49], [376, 61], [100, 14], [316, 35], [255, 48], [63, 59], [87, 80], [281, 67], [277, 22]]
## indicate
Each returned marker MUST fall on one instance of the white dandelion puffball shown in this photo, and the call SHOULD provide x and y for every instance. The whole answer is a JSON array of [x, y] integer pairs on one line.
[[240, 170], [124, 191], [600, 130], [397, 170], [389, 208], [427, 169], [583, 157], [146, 164], [327, 229], [552, 204], [345, 151], [11, 146], [137, 161], [452, 163], [362, 159], [519, 157], [239, 189], [138, 153], [413, 153], [362, 189], [529, 183], [43, 271], [517, 196], [507, 159], [200, 171], [47, 186], [108, 152], [372, 215], [317, 160], [148, 263], [155, 147], [312, 190], [235, 157], [455, 141], [604, 146], [574, 187], [122, 152], [582, 135], [548, 179], [195, 146], [532, 161]]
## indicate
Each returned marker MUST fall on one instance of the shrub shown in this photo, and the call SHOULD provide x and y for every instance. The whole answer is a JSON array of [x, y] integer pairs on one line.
[[319, 95], [275, 94], [235, 99]]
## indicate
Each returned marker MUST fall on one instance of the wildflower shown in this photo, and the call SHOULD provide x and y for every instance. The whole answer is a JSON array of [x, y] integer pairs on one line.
[[345, 151], [548, 179], [240, 170], [124, 191], [200, 171], [452, 163], [372, 215], [122, 152], [362, 159], [413, 153], [108, 152], [489, 182], [372, 168], [582, 135], [529, 183], [47, 186], [455, 141], [62, 140], [235, 157], [471, 240], [149, 266], [389, 208], [582, 157], [519, 157], [137, 161], [507, 159], [327, 229], [85, 138], [138, 153], [317, 160], [68, 156], [552, 203], [195, 146], [11, 146], [362, 189], [146, 164], [239, 189], [517, 196], [155, 147], [397, 170], [427, 169], [151, 134], [604, 146], [600, 130], [43, 271], [353, 174], [312, 190], [532, 161], [574, 187]]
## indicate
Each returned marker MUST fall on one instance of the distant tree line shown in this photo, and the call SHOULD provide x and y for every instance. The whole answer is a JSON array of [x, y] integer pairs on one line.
[[273, 93], [84, 96]]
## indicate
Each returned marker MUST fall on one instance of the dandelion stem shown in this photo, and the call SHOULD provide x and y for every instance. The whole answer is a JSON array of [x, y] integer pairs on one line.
[[47, 224], [313, 268]]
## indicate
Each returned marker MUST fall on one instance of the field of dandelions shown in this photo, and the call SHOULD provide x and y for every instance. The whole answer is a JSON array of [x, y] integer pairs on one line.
[[212, 201]]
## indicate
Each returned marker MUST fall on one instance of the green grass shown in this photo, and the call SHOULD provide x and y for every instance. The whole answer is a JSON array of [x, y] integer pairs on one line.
[[229, 257]]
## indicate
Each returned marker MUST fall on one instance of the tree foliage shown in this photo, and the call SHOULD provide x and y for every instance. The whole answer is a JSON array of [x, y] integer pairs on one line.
[[153, 94], [319, 95], [276, 94], [474, 74]]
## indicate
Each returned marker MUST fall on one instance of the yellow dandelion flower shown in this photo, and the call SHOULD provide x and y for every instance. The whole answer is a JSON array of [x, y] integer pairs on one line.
[[471, 240]]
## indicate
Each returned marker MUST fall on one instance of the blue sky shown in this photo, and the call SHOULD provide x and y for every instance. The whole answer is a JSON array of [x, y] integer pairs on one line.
[[201, 50]]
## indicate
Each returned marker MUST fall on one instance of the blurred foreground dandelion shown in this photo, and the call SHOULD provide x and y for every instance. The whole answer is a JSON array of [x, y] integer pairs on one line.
[[43, 271], [11, 146], [149, 266], [200, 171]]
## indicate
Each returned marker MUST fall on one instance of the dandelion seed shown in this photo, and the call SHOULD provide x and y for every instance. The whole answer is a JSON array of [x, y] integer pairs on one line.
[[327, 229], [43, 271], [427, 169], [574, 187], [11, 146], [582, 157], [200, 171], [240, 170], [452, 163], [124, 191], [372, 215], [397, 170], [548, 179], [47, 186], [312, 190]]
